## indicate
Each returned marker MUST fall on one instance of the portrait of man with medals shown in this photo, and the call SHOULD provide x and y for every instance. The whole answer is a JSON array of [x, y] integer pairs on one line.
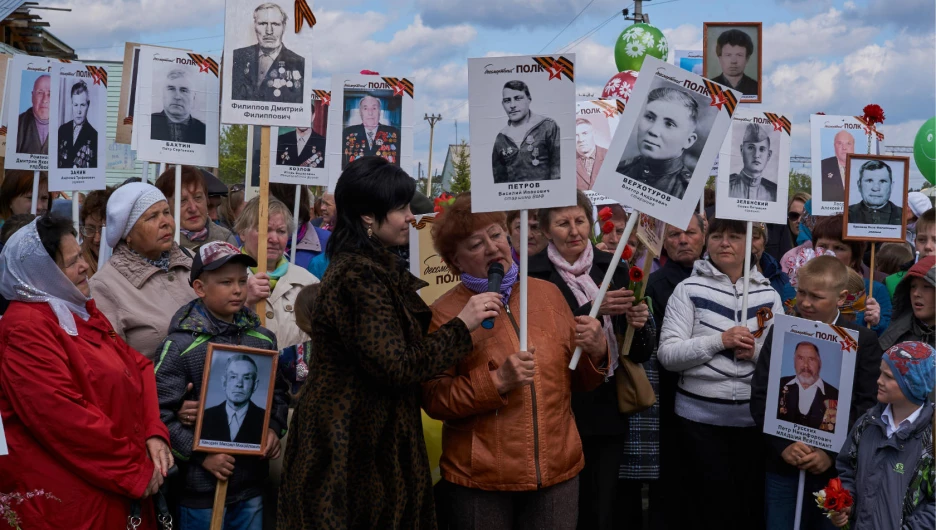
[[370, 137], [268, 71], [527, 148]]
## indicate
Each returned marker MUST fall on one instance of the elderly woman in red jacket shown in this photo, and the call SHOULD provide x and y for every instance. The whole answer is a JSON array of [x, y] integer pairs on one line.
[[78, 405]]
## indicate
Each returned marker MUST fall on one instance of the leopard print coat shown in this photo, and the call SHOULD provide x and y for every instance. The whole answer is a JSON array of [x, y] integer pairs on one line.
[[356, 457]]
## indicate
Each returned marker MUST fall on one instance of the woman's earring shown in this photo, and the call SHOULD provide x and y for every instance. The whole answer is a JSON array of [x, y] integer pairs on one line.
[[370, 232]]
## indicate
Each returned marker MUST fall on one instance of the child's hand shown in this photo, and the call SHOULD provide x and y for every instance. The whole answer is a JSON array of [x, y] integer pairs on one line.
[[840, 519], [188, 413], [220, 465], [273, 446], [872, 312], [795, 452]]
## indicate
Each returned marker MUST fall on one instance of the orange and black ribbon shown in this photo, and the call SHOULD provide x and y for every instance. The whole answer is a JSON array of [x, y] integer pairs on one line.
[[870, 128], [304, 14], [205, 63], [399, 86], [323, 95], [848, 343], [610, 108], [764, 315], [561, 66], [779, 122], [425, 221], [99, 74], [721, 97]]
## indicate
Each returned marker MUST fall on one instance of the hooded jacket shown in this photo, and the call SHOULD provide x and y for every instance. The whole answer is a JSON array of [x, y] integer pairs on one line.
[[182, 361], [904, 326], [712, 380]]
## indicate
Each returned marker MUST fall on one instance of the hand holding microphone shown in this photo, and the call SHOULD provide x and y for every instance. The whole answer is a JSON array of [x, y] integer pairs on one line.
[[480, 307]]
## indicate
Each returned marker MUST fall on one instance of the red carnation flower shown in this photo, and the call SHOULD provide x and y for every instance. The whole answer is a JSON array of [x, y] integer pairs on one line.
[[636, 275], [628, 252], [874, 114], [608, 227], [605, 214]]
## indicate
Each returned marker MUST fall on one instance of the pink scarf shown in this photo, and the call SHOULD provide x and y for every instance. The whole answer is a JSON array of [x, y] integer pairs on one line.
[[584, 288]]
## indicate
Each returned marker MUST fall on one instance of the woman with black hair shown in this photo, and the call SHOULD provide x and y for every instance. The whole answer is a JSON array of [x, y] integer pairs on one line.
[[78, 404], [358, 459]]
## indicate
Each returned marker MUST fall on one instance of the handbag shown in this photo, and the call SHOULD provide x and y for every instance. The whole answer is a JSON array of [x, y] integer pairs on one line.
[[634, 392], [163, 515]]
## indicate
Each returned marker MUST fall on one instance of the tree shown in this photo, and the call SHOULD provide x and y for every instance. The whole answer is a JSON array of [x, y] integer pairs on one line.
[[232, 160], [799, 182], [461, 180]]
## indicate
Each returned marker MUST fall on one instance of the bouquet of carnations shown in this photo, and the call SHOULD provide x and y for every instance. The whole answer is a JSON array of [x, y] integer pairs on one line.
[[834, 498]]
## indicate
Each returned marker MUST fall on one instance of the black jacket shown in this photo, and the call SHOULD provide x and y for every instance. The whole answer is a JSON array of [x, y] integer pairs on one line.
[[159, 129], [244, 85], [747, 86], [864, 394], [788, 404], [287, 147], [68, 148], [596, 412], [833, 189], [354, 144], [215, 425]]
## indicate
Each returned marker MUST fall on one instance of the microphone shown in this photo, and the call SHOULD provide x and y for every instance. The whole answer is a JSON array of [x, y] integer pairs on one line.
[[495, 277]]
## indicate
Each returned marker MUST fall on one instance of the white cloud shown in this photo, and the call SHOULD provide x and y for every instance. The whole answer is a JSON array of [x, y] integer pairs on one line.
[[508, 14], [685, 37], [825, 34]]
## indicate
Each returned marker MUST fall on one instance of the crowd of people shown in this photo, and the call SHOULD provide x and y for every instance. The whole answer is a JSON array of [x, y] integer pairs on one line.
[[104, 335]]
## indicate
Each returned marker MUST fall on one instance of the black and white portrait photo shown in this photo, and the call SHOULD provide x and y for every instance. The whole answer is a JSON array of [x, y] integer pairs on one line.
[[595, 123], [268, 70], [732, 57], [752, 161], [298, 154], [28, 108], [266, 65], [876, 197], [522, 113], [237, 399], [669, 135], [369, 115], [177, 118], [177, 93], [527, 148], [78, 152]]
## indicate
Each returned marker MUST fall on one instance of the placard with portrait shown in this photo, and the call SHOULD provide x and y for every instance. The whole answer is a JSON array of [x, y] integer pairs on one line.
[[876, 192], [27, 104], [78, 128], [732, 56], [297, 154]]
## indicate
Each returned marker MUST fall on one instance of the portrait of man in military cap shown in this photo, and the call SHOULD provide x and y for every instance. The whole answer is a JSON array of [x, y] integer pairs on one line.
[[268, 70], [757, 179]]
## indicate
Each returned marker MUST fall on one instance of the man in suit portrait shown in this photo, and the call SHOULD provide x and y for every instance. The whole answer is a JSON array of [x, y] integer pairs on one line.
[[805, 399], [33, 132], [268, 71], [833, 168], [875, 181], [370, 137], [237, 419], [588, 155], [301, 147], [734, 49], [175, 122], [750, 183], [77, 139]]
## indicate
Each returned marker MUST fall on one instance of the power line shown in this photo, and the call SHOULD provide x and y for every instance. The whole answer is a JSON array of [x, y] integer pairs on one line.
[[582, 39], [566, 26]]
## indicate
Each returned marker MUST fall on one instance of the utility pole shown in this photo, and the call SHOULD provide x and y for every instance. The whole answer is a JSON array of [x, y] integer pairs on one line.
[[639, 15], [432, 119]]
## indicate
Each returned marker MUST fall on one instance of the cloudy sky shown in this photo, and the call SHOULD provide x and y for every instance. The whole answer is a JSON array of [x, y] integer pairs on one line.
[[819, 55]]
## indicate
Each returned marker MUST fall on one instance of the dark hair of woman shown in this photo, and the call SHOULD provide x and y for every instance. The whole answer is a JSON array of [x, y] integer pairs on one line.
[[52, 229], [717, 226], [368, 186], [287, 194]]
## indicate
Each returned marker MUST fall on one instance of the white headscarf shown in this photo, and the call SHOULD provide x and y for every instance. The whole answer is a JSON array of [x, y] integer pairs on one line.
[[29, 274]]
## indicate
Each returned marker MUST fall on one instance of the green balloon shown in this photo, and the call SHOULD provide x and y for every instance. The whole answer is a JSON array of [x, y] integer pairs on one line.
[[924, 150], [637, 42]]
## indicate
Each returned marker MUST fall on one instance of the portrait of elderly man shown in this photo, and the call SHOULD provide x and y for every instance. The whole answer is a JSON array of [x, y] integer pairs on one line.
[[665, 130], [734, 49], [268, 70], [588, 155], [370, 137], [77, 139], [750, 183], [175, 122], [875, 180], [302, 147], [33, 129], [527, 148], [237, 419], [805, 399], [833, 168]]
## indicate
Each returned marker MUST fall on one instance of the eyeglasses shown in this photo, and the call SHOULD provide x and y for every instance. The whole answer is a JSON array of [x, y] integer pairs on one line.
[[793, 216], [90, 231]]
